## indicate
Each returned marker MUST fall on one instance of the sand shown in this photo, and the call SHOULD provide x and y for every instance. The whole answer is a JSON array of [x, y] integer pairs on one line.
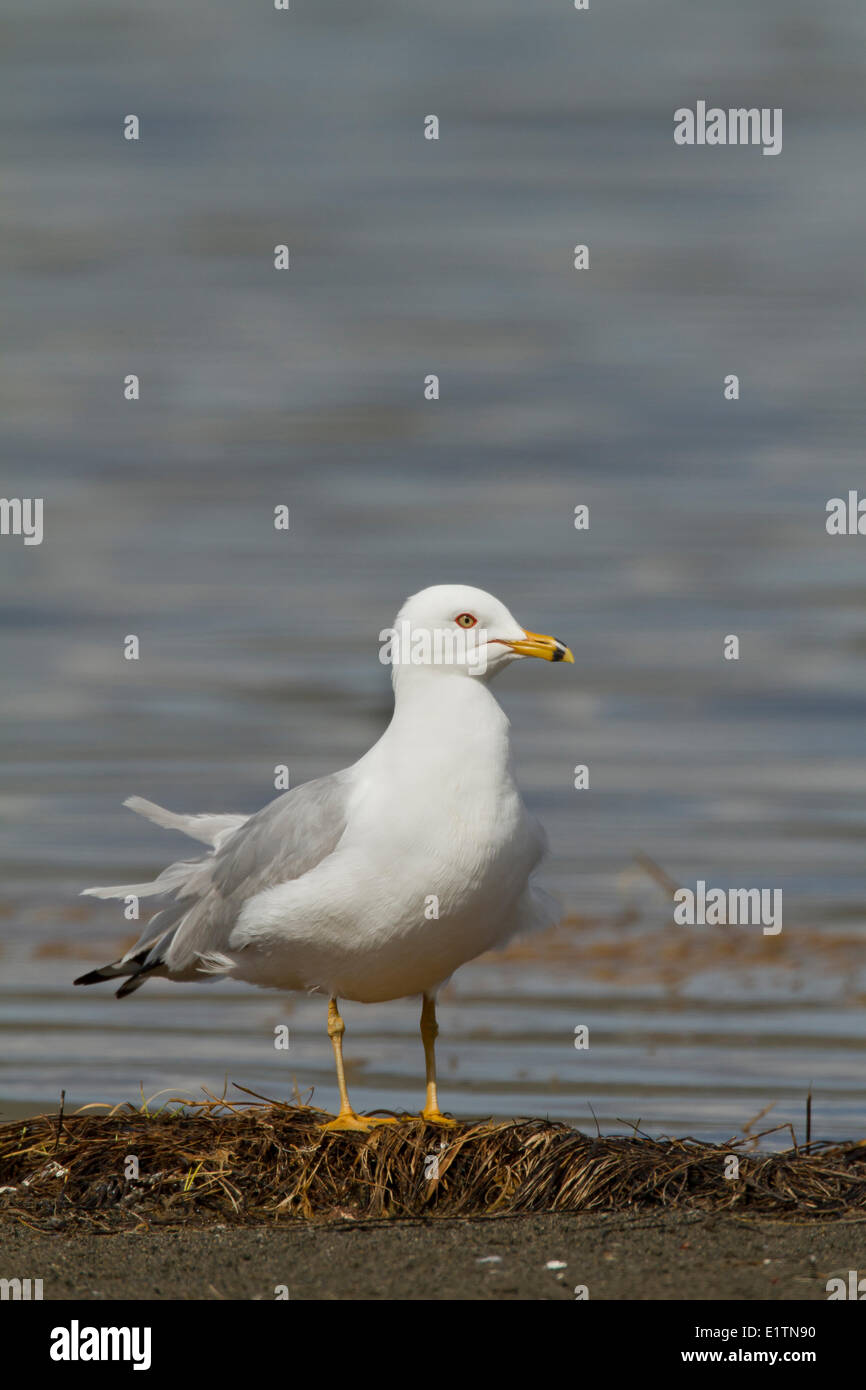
[[616, 1255]]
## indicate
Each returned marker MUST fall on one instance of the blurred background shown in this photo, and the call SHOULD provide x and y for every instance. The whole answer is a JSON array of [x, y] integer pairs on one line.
[[558, 387]]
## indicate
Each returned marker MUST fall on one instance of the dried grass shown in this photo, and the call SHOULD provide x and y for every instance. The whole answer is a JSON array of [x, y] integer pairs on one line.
[[267, 1162]]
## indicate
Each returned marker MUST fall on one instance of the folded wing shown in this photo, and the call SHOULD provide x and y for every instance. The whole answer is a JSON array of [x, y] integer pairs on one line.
[[184, 939]]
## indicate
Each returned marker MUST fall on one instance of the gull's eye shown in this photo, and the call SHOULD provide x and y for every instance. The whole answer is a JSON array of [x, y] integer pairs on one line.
[[465, 620]]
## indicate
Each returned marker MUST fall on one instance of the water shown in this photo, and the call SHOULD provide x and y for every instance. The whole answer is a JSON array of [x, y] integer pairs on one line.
[[601, 387]]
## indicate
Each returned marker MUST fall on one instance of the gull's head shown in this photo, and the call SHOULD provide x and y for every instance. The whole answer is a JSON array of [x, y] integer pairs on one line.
[[460, 630]]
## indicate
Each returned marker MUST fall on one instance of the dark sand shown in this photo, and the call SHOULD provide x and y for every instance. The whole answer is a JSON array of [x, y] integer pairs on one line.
[[618, 1256]]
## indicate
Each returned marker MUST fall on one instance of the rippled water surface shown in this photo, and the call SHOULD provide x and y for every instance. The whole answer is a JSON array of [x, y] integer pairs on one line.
[[601, 387]]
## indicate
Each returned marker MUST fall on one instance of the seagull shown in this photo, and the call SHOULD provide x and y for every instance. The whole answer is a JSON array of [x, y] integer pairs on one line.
[[378, 881]]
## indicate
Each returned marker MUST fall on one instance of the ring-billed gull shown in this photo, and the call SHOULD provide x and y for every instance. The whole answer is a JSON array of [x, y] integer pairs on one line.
[[376, 882]]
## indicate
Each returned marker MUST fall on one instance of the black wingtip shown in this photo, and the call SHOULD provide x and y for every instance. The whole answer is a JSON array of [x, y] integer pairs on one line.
[[135, 981], [93, 977]]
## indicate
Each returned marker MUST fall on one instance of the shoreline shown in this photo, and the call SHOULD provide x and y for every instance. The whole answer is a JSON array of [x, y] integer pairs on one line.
[[617, 1255]]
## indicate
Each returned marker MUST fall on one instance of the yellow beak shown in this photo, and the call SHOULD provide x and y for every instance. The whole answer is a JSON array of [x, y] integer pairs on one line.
[[537, 644]]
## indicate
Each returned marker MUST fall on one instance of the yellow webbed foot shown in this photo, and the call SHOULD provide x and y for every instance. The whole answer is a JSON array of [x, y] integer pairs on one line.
[[435, 1117], [348, 1120]]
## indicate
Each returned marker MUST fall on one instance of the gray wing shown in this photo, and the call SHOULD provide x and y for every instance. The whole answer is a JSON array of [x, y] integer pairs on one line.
[[284, 840]]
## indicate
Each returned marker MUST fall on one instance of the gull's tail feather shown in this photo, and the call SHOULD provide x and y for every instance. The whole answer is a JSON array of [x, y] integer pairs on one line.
[[209, 830], [175, 876]]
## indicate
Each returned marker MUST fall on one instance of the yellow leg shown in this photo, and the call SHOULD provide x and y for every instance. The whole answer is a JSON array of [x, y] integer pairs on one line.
[[347, 1119], [429, 1032]]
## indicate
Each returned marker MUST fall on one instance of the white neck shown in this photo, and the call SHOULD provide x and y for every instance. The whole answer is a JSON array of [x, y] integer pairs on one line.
[[453, 717]]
